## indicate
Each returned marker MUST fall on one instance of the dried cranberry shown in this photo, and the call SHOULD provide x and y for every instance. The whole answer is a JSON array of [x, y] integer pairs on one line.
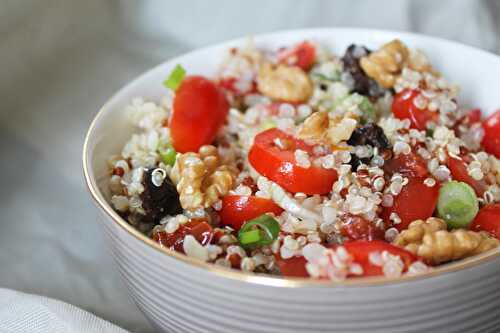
[[357, 228], [159, 201], [200, 230], [410, 165], [118, 171], [362, 83]]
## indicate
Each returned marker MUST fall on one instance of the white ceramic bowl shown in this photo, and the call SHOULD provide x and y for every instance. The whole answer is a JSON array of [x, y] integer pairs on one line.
[[179, 294]]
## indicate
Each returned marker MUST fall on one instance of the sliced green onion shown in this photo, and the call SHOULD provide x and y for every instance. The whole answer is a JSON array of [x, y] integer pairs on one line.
[[457, 204], [262, 230], [167, 153], [250, 237], [175, 78], [368, 110]]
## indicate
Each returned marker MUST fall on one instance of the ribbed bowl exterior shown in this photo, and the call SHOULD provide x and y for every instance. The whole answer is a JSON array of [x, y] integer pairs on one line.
[[178, 297]]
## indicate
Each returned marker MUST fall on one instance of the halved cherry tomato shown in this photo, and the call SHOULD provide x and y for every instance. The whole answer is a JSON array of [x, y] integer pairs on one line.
[[488, 219], [200, 230], [199, 110], [292, 267], [404, 108], [360, 252], [410, 165], [491, 139], [415, 201], [458, 169], [357, 228], [302, 55], [279, 165], [237, 209]]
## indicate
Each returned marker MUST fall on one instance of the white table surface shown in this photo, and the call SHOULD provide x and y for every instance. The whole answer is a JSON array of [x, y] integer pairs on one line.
[[61, 60]]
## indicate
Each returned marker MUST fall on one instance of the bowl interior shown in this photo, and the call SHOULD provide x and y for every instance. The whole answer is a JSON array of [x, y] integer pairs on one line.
[[474, 70]]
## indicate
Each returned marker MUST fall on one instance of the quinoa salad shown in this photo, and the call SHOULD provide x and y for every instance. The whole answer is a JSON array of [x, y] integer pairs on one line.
[[298, 162]]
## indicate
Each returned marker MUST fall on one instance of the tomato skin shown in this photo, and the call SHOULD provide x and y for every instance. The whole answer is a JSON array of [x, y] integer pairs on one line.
[[292, 267], [488, 219], [403, 108], [200, 230], [302, 55], [199, 110], [279, 165], [237, 209], [458, 169], [360, 252], [357, 228], [491, 139], [409, 165], [415, 201]]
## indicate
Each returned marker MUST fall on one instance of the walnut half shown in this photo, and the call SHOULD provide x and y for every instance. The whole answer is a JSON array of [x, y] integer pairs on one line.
[[201, 178], [284, 83], [386, 64], [432, 241], [320, 127]]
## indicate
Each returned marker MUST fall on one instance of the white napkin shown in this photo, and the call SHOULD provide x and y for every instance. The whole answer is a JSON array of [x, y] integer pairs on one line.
[[20, 312]]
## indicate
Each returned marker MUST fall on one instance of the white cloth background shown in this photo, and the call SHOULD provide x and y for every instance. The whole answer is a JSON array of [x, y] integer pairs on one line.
[[60, 60]]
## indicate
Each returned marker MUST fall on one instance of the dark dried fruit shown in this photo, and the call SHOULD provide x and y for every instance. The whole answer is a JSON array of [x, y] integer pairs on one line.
[[159, 201], [355, 161], [362, 83], [369, 134]]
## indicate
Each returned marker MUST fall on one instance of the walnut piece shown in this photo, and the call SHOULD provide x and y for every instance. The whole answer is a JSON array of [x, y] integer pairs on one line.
[[432, 241], [201, 179], [320, 127], [284, 83], [385, 64]]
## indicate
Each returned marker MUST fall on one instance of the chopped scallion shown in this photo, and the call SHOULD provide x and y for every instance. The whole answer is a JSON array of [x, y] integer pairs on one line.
[[175, 78], [262, 230], [167, 153], [457, 204]]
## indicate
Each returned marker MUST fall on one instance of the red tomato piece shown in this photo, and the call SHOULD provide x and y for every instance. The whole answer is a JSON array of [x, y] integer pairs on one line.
[[357, 228], [237, 209], [415, 201], [278, 163], [488, 219], [404, 108], [292, 267], [302, 55], [360, 252], [458, 169], [199, 110], [491, 139], [200, 230], [411, 165]]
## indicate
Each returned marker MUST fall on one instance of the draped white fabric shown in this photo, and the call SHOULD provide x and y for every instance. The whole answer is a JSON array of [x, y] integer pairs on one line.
[[60, 60], [20, 312]]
